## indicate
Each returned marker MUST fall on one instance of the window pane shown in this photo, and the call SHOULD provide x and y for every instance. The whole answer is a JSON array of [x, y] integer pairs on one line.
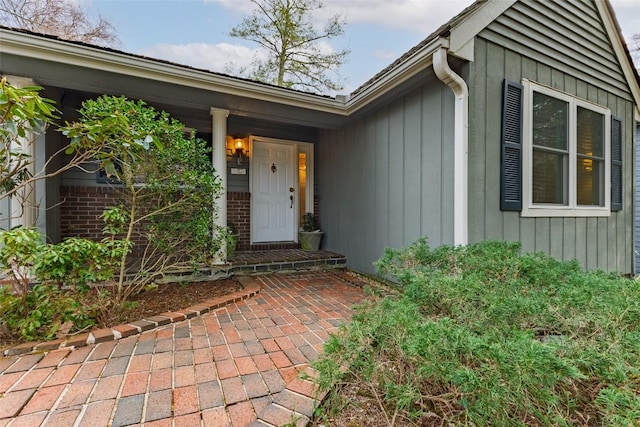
[[590, 133], [550, 122], [590, 183], [549, 177]]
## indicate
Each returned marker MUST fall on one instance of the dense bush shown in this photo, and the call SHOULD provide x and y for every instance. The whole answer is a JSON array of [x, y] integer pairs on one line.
[[49, 284], [485, 335], [167, 183]]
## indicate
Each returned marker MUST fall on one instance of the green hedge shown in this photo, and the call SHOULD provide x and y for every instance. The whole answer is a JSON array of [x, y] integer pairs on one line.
[[485, 335]]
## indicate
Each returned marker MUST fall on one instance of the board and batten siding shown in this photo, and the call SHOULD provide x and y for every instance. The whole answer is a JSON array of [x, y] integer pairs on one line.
[[562, 45], [387, 179]]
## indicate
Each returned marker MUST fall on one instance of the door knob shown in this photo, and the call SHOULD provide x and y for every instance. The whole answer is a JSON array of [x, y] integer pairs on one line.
[[291, 190]]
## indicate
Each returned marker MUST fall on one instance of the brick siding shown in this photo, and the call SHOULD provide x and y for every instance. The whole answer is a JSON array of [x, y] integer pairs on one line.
[[82, 206], [81, 209], [239, 214]]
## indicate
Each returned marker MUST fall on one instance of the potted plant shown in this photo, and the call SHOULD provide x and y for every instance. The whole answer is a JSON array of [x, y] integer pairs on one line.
[[232, 240], [310, 234]]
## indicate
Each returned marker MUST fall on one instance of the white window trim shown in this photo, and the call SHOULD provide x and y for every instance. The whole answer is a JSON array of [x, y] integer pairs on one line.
[[572, 209]]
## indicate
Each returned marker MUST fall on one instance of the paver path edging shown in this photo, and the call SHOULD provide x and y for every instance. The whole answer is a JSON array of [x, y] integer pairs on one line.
[[237, 365], [250, 288]]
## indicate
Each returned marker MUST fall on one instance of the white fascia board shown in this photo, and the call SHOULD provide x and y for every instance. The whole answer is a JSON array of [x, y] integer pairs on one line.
[[466, 30], [415, 64], [27, 45], [604, 8]]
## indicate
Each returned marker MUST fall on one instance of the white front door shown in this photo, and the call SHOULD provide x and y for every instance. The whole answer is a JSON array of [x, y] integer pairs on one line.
[[273, 192]]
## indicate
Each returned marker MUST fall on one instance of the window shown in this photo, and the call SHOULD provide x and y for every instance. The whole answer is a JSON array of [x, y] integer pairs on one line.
[[566, 160]]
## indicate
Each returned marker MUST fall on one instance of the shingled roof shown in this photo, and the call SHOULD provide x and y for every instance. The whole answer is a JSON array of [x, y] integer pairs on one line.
[[156, 60]]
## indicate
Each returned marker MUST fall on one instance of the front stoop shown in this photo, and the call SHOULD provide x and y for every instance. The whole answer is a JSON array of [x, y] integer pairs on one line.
[[250, 289], [253, 262]]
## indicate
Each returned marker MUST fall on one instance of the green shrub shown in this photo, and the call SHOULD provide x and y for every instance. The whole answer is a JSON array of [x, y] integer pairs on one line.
[[46, 309], [167, 184], [485, 335], [50, 283]]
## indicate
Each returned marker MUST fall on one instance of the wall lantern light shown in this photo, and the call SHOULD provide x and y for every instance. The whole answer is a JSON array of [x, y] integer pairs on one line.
[[239, 149]]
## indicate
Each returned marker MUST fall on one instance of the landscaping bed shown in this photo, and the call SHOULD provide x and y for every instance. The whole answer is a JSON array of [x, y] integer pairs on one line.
[[163, 298]]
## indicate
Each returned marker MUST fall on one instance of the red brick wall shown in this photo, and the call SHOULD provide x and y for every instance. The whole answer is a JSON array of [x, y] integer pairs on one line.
[[81, 209], [238, 213], [82, 206]]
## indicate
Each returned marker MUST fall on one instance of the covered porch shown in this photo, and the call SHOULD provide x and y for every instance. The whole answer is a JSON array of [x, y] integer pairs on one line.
[[263, 139]]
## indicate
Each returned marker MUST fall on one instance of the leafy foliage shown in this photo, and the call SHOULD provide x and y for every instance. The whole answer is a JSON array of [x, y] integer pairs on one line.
[[168, 187], [47, 309], [287, 31], [24, 115], [167, 182], [50, 282], [485, 335], [310, 222]]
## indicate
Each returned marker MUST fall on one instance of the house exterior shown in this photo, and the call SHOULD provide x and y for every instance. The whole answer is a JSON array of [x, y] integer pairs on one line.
[[513, 121]]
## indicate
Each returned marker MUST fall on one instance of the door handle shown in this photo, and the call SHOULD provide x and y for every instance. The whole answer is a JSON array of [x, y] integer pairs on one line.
[[291, 198]]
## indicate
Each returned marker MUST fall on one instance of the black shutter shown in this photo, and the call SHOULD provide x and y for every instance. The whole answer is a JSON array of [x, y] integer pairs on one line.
[[616, 164], [511, 152]]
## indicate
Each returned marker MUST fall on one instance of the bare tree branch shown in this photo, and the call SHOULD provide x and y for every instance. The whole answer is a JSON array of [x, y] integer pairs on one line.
[[62, 18]]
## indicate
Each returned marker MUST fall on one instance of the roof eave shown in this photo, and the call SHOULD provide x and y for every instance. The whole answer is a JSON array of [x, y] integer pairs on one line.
[[95, 58], [457, 36], [622, 52], [416, 63]]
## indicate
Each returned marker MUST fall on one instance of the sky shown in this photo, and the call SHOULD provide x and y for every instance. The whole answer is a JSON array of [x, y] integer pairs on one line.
[[195, 32]]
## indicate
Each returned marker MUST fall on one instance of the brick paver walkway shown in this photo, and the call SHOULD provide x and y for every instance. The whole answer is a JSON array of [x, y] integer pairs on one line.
[[235, 366]]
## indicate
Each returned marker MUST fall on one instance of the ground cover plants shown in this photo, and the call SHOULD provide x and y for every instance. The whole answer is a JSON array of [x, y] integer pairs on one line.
[[486, 335]]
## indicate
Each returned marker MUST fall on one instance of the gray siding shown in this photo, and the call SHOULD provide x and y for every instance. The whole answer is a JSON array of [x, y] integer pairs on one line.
[[562, 46], [566, 36], [387, 179]]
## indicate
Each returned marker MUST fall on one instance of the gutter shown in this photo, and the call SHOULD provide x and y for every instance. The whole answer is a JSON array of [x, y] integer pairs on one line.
[[414, 64], [461, 145]]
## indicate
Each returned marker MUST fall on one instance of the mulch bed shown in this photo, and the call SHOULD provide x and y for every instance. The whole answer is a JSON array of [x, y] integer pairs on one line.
[[165, 298], [169, 297]]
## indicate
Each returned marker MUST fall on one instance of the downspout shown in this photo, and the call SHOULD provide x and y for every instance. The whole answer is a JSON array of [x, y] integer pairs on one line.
[[460, 145]]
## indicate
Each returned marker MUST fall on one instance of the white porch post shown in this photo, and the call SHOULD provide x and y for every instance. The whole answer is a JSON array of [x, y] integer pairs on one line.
[[219, 160], [24, 208]]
